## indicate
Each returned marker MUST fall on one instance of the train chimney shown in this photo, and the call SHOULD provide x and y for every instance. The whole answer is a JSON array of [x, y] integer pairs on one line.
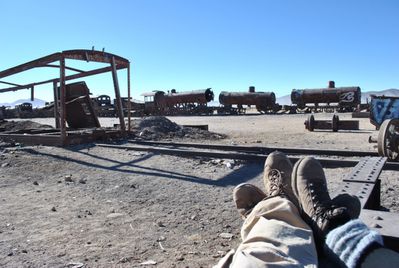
[[251, 89], [173, 91], [331, 84]]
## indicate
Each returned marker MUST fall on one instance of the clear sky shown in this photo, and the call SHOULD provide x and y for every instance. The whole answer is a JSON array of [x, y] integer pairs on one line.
[[227, 45]]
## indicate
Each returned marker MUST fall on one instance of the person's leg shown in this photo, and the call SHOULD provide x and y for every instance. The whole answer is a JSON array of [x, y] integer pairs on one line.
[[316, 207], [356, 245], [347, 241], [274, 233]]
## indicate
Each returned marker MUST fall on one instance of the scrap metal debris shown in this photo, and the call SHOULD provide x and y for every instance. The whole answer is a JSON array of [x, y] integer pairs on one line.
[[12, 126], [160, 127]]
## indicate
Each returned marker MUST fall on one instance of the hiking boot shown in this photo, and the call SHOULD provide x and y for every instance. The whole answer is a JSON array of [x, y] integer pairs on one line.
[[351, 202], [277, 176], [246, 196], [310, 187]]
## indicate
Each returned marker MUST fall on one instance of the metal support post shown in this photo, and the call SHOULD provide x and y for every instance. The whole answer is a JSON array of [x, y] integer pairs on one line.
[[129, 105], [56, 105], [62, 101], [118, 95]]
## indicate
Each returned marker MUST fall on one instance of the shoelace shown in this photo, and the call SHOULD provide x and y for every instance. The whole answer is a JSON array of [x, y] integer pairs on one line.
[[275, 178], [321, 207]]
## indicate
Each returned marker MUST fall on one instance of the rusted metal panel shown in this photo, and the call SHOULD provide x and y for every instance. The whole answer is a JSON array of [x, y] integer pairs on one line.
[[382, 108], [79, 109]]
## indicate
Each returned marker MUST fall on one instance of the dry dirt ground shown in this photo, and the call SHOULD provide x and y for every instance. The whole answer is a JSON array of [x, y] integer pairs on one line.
[[87, 206]]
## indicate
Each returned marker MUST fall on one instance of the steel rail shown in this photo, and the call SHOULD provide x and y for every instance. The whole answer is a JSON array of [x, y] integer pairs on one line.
[[258, 149], [325, 162]]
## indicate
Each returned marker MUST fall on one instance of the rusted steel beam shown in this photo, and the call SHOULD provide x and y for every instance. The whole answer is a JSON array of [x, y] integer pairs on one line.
[[94, 55], [56, 105], [32, 93], [118, 95], [258, 149], [30, 65], [129, 104], [10, 84], [62, 101], [53, 139], [363, 181], [66, 67], [69, 77], [32, 139]]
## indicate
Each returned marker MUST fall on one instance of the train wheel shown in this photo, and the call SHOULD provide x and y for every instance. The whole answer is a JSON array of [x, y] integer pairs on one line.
[[388, 139], [309, 124]]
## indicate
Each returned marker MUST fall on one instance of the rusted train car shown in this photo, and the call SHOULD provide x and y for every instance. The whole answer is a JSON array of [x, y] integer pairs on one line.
[[105, 107], [343, 99], [235, 102], [178, 103]]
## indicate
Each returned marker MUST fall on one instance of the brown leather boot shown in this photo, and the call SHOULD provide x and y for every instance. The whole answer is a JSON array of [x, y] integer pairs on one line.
[[310, 187], [277, 176], [351, 202], [246, 196]]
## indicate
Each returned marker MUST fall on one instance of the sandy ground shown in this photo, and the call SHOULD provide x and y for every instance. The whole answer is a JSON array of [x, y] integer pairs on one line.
[[88, 206]]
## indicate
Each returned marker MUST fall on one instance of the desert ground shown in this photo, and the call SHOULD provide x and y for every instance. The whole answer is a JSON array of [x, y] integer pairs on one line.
[[88, 206]]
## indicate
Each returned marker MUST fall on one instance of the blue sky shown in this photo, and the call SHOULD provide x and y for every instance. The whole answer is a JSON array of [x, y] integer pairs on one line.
[[227, 45]]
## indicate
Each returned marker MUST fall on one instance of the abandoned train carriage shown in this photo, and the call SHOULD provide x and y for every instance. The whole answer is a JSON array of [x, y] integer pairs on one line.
[[174, 103], [342, 98], [263, 101]]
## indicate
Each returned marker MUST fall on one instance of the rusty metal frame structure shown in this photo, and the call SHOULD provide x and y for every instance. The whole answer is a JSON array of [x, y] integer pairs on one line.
[[116, 63]]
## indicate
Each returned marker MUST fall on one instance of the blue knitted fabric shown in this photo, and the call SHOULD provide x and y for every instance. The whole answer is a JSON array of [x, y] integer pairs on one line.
[[350, 240]]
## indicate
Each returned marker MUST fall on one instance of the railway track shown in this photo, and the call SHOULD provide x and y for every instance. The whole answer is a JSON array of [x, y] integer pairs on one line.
[[257, 149], [248, 153], [363, 180]]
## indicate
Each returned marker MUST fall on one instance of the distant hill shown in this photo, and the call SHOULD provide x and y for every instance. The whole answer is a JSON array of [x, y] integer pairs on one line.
[[284, 100], [37, 103], [393, 92]]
